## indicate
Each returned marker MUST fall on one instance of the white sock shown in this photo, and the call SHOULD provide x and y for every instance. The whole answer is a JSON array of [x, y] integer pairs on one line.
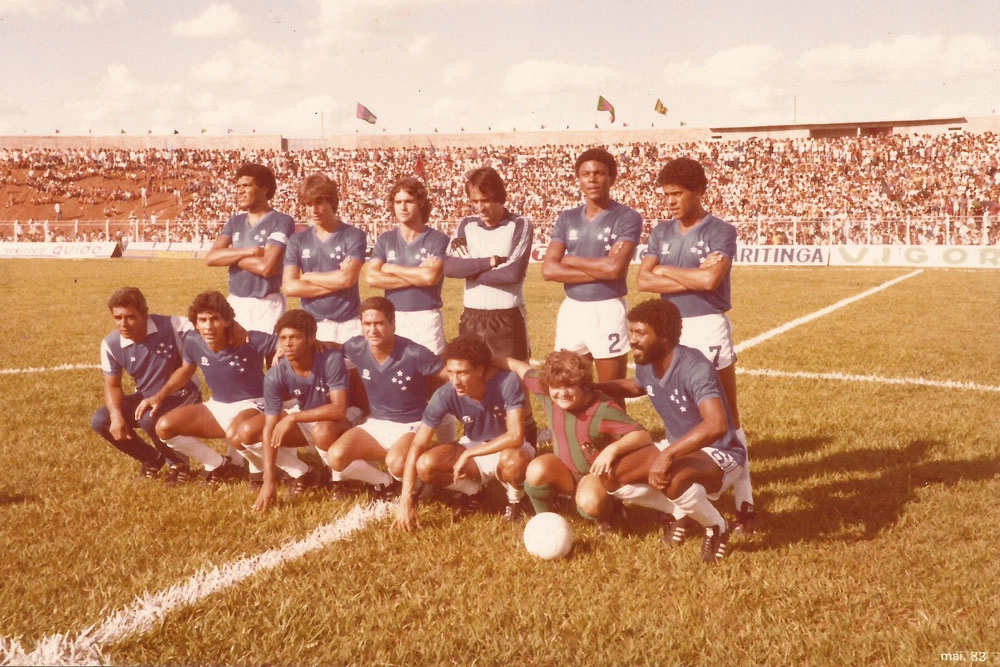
[[645, 495], [363, 472], [196, 449], [466, 486], [286, 460], [254, 455], [322, 457], [514, 494], [234, 456], [695, 504], [742, 437]]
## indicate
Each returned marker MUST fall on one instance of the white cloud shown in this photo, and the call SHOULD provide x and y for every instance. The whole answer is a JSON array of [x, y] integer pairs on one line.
[[905, 58], [81, 12], [420, 46], [742, 66], [457, 73], [537, 76], [216, 21], [219, 70]]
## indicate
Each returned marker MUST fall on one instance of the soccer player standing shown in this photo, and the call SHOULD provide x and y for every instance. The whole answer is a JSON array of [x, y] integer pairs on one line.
[[324, 261], [491, 251], [252, 245], [408, 263], [590, 252]]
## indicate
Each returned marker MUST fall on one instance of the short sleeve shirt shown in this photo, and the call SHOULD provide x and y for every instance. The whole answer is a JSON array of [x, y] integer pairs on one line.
[[392, 248], [672, 248], [234, 373], [151, 362], [595, 238], [311, 255], [273, 229], [397, 389], [282, 383], [482, 420]]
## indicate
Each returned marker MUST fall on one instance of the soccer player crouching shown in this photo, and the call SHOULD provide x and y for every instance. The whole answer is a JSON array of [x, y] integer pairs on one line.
[[701, 456], [599, 451], [232, 362], [499, 433], [147, 347], [398, 375], [305, 404]]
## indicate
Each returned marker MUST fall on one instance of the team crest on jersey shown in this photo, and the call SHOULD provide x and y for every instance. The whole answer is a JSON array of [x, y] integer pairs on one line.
[[664, 248], [204, 361], [649, 390], [573, 235], [236, 237], [306, 253], [466, 419], [701, 249], [296, 392], [679, 399], [402, 380], [390, 256], [163, 349], [365, 375]]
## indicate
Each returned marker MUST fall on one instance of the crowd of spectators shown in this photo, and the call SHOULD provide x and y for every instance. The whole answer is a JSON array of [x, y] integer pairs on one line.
[[892, 188]]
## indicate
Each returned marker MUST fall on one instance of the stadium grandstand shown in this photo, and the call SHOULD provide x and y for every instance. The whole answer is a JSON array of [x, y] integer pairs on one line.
[[911, 182]]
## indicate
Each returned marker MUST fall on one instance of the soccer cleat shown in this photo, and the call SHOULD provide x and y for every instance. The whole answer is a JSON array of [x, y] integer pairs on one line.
[[713, 549], [678, 530], [177, 475], [747, 521], [610, 524], [388, 491], [151, 470], [470, 504], [220, 474], [255, 482], [514, 512], [303, 483]]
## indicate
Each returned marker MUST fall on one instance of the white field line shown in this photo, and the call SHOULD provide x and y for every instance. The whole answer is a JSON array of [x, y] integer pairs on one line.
[[142, 614], [847, 377], [767, 335], [60, 367]]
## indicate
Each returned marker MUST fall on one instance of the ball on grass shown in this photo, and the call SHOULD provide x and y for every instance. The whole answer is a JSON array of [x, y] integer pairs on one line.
[[548, 535]]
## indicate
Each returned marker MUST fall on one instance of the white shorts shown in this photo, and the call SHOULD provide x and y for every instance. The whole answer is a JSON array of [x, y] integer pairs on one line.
[[598, 328], [422, 326], [385, 432], [712, 335], [306, 427], [487, 464], [225, 413], [260, 314], [338, 332], [731, 470]]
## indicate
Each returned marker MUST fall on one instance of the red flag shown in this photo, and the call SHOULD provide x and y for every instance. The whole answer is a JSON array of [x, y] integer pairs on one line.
[[229, 131], [149, 131], [57, 131], [365, 114], [604, 105], [418, 168]]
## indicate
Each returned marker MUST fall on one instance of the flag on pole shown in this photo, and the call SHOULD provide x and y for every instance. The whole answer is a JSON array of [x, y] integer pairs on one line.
[[123, 131], [604, 105], [176, 132], [57, 131], [149, 131], [203, 130], [229, 131], [365, 114], [660, 108], [419, 169]]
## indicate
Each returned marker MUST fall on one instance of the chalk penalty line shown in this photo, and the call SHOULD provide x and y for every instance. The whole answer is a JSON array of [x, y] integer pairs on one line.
[[142, 614]]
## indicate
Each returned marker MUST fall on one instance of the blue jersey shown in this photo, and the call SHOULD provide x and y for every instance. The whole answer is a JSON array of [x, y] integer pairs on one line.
[[397, 389], [392, 248], [151, 362], [595, 238], [482, 420], [500, 287], [282, 383], [234, 373], [306, 251], [672, 248], [689, 380], [273, 229]]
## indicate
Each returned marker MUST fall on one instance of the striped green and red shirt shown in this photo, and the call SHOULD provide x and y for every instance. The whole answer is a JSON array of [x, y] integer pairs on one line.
[[578, 437]]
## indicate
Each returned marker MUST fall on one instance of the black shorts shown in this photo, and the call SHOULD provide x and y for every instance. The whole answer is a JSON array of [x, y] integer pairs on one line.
[[503, 330]]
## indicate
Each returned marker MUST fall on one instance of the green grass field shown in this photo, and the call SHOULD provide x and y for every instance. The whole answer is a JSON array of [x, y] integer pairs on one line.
[[875, 452]]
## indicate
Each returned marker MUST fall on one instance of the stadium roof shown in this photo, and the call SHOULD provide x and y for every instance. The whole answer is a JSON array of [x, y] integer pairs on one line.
[[845, 126]]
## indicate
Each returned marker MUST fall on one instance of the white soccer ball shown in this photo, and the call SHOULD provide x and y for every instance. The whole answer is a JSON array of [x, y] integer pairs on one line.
[[548, 535]]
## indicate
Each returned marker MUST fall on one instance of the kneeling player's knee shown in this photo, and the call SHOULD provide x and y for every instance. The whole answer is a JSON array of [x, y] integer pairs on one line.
[[101, 421], [591, 497], [512, 466]]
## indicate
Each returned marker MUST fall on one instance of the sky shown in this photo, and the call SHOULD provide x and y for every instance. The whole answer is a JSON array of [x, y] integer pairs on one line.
[[299, 68]]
